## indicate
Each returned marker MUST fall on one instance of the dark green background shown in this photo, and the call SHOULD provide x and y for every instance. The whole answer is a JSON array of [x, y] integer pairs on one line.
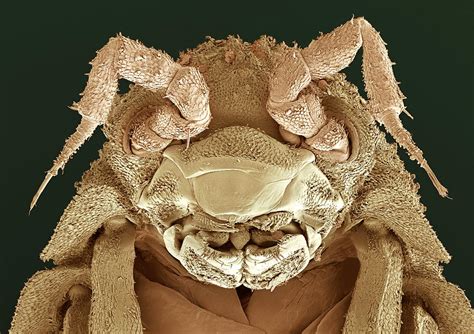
[[46, 48]]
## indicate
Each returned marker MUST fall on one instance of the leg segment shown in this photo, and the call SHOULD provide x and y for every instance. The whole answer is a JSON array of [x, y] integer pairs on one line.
[[124, 58], [445, 302], [377, 296], [115, 307], [76, 320], [39, 307], [415, 319]]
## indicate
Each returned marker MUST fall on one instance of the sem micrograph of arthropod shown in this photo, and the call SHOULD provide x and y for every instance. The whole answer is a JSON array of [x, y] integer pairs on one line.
[[245, 187]]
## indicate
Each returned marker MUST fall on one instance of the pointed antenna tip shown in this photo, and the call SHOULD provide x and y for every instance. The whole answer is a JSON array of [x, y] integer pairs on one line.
[[83, 131], [32, 205], [38, 193], [442, 190], [393, 124]]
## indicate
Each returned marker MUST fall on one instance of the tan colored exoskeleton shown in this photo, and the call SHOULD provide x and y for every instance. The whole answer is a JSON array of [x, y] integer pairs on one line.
[[253, 164]]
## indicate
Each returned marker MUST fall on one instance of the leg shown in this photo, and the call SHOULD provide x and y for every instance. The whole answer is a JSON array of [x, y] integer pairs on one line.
[[114, 308], [76, 319], [376, 299], [415, 319], [124, 58], [446, 303], [39, 307]]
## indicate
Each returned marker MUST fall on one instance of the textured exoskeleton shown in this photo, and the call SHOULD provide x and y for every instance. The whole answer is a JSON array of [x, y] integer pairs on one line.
[[253, 165]]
